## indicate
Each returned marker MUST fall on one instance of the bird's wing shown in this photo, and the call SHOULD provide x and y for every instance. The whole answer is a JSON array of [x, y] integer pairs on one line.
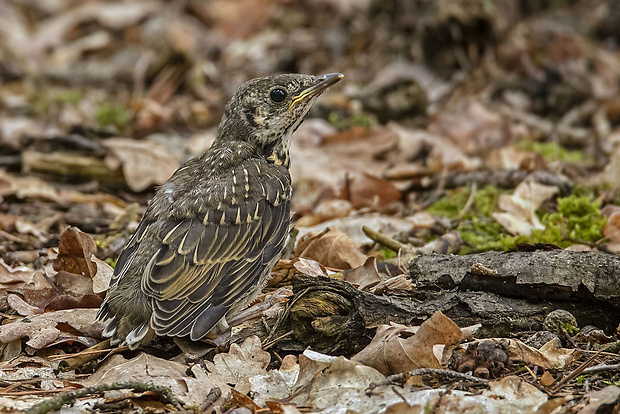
[[208, 262]]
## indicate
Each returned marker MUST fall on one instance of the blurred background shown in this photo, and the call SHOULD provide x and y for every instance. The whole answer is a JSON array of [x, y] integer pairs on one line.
[[100, 101]]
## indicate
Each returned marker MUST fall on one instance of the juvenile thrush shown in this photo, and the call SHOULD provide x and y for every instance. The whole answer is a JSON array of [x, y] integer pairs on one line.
[[211, 234]]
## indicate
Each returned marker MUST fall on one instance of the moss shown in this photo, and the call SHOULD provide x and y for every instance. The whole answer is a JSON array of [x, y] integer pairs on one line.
[[578, 219], [387, 253], [551, 151], [111, 262], [112, 114], [69, 96], [357, 119]]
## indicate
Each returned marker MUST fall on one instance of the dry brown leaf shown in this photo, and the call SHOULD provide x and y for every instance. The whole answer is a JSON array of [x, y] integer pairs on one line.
[[519, 216], [332, 249], [156, 371], [367, 190], [75, 249], [473, 128], [549, 356], [42, 330], [398, 348], [365, 276], [14, 277], [612, 232], [28, 187], [144, 163]]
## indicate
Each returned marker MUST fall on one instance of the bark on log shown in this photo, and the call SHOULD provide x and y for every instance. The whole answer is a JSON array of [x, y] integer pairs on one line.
[[585, 283]]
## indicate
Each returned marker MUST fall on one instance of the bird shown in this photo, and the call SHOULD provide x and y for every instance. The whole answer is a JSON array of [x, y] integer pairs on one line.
[[212, 233]]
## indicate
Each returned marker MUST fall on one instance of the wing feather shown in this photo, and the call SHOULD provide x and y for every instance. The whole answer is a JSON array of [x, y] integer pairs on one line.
[[207, 263]]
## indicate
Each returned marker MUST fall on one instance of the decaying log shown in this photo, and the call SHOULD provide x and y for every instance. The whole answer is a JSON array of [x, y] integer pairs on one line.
[[506, 292], [584, 283], [71, 166]]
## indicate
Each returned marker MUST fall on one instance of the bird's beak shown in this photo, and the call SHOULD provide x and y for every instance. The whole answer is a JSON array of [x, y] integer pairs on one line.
[[325, 81]]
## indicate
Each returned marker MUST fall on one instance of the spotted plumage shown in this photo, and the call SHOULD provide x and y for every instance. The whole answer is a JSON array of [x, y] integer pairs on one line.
[[211, 235]]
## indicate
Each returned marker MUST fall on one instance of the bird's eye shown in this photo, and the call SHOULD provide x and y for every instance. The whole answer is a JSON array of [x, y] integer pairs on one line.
[[277, 95]]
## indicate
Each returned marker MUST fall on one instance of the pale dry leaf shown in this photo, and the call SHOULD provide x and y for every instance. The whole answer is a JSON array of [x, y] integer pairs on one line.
[[28, 188], [352, 226], [21, 307], [398, 348], [156, 371], [14, 277], [101, 280], [328, 384], [549, 356], [607, 396], [144, 163], [519, 215], [41, 330], [332, 249], [309, 267], [276, 384], [241, 362]]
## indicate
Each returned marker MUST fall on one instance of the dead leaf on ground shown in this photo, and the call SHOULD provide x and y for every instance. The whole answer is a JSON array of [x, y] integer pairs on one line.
[[144, 163], [549, 356], [398, 348], [332, 249], [153, 370], [612, 232], [75, 249], [14, 277], [42, 330], [365, 276], [519, 215], [367, 190], [601, 399], [28, 188]]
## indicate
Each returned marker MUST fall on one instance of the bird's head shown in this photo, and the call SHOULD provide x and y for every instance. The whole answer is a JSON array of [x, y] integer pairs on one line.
[[266, 111]]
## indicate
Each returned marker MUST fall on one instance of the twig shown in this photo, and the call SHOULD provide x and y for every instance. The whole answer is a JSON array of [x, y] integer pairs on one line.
[[56, 403], [555, 388], [402, 377], [470, 200], [274, 341], [383, 240], [210, 399], [601, 368], [87, 355]]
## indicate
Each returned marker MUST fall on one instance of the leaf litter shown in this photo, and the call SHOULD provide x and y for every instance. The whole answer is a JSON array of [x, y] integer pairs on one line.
[[423, 150]]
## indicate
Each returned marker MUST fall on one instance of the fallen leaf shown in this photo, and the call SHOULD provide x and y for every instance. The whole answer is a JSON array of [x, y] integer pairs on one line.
[[20, 306], [546, 379], [14, 277], [144, 163], [41, 330], [75, 249], [332, 249], [101, 280], [309, 267], [612, 232], [519, 216], [397, 348], [600, 400], [549, 356], [367, 190], [365, 276], [156, 371]]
